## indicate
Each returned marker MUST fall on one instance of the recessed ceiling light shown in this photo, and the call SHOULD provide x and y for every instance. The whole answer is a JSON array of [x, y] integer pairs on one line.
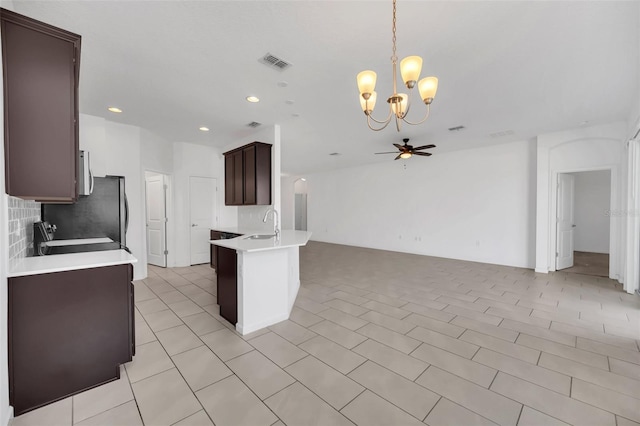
[[253, 99], [204, 129], [303, 179], [115, 109]]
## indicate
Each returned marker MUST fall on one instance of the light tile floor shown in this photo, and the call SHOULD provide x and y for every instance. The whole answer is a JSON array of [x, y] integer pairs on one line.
[[378, 338]]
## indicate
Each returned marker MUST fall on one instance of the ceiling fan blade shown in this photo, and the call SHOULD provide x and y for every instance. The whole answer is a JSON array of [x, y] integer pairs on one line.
[[400, 147], [390, 152], [424, 154], [398, 157], [424, 147]]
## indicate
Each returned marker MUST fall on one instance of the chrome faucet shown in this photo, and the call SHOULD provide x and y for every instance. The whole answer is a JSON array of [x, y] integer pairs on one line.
[[276, 231]]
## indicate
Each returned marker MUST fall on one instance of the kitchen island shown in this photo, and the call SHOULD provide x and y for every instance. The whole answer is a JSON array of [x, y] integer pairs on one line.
[[71, 324], [266, 275]]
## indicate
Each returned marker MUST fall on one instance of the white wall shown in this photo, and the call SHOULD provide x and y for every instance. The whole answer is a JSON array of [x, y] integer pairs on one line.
[[582, 149], [591, 207], [475, 204]]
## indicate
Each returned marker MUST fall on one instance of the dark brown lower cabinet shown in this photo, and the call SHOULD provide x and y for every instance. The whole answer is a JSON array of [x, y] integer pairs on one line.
[[226, 272], [68, 331]]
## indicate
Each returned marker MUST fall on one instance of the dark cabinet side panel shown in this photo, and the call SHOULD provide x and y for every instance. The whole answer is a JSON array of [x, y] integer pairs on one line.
[[215, 235], [227, 284], [228, 180], [263, 174], [249, 154], [237, 178], [40, 104], [68, 331], [132, 314]]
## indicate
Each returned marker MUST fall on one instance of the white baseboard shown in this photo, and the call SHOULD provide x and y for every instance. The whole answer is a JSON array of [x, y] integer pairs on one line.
[[246, 329], [8, 410], [293, 295], [542, 271]]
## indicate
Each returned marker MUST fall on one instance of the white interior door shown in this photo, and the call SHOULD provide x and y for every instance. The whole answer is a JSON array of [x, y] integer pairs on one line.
[[156, 220], [565, 225], [202, 200]]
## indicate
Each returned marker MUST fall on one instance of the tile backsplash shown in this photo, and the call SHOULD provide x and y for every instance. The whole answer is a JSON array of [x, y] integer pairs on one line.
[[250, 217], [22, 214]]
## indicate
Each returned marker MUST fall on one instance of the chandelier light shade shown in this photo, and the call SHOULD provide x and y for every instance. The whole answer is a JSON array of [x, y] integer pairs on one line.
[[399, 103], [428, 88], [368, 103], [410, 68], [367, 81]]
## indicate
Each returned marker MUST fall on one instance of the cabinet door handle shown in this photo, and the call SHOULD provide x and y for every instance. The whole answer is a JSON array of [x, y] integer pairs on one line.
[[193, 225]]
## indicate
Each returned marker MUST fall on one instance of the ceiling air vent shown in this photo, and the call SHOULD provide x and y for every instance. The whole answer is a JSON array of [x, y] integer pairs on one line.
[[501, 134], [254, 124], [456, 128], [274, 62]]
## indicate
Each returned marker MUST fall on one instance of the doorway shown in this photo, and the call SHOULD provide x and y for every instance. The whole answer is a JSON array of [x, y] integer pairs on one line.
[[300, 204], [156, 185], [202, 213], [583, 222]]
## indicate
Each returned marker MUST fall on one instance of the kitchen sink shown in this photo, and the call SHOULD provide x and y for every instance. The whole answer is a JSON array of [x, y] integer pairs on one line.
[[259, 237]]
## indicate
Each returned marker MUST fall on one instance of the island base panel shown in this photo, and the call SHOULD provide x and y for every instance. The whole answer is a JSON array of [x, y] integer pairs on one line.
[[227, 277]]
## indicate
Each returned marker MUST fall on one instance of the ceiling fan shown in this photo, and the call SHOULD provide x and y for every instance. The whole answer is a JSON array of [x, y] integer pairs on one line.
[[406, 150]]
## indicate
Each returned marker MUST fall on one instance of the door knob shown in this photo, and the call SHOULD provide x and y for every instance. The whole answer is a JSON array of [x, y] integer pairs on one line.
[[193, 224], [573, 226]]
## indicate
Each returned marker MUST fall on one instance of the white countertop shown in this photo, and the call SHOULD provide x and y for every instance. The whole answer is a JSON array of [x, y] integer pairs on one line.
[[77, 242], [68, 262], [287, 239]]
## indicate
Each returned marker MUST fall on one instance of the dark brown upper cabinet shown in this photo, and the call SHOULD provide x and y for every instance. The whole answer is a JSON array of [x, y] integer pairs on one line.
[[248, 175], [41, 72]]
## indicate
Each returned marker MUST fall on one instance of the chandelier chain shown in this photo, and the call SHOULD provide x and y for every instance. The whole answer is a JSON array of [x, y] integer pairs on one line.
[[394, 58]]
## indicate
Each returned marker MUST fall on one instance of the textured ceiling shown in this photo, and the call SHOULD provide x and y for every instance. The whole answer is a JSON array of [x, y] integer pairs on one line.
[[524, 66]]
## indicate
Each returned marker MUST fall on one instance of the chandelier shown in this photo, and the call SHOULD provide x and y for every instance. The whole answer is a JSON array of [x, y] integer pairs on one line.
[[399, 103]]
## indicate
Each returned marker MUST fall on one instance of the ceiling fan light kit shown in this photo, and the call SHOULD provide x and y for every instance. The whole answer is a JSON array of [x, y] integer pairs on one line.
[[408, 151], [399, 103]]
